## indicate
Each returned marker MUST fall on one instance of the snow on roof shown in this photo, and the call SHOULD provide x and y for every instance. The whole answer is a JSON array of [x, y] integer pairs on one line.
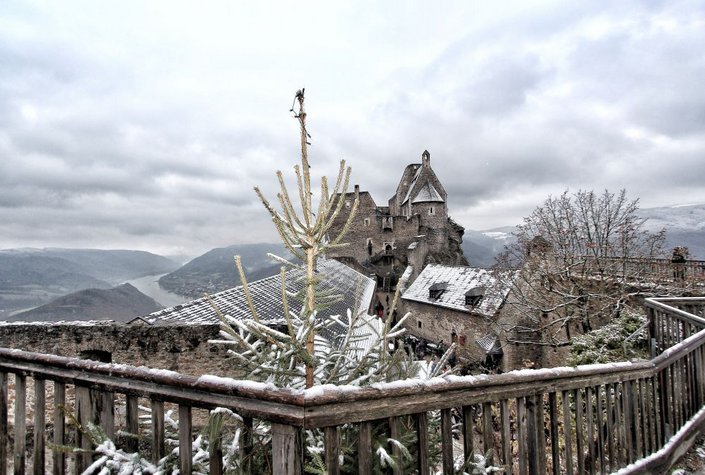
[[490, 344], [354, 289], [426, 194], [52, 323], [459, 280], [413, 183]]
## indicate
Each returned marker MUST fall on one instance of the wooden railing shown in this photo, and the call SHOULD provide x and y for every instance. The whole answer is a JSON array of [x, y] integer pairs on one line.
[[634, 416], [649, 270]]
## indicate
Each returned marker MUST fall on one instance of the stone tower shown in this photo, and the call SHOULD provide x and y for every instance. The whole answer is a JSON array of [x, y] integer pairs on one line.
[[413, 230]]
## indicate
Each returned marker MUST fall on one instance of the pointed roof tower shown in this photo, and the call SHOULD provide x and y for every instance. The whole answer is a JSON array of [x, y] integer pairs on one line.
[[425, 186], [418, 184]]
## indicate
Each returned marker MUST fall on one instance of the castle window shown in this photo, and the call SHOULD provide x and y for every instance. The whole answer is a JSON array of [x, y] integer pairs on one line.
[[347, 204], [474, 296], [369, 246], [430, 211], [419, 322], [366, 221], [388, 248], [436, 290], [387, 223]]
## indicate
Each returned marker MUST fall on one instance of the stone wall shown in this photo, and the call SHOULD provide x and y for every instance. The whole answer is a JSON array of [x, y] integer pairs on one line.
[[436, 324], [182, 348], [411, 222]]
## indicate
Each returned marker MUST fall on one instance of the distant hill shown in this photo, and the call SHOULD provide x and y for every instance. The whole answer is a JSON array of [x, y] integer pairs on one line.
[[481, 247], [32, 277], [685, 226], [215, 270], [116, 266], [121, 304]]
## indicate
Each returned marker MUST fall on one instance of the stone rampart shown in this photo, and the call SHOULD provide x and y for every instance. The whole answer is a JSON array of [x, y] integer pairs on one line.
[[182, 348]]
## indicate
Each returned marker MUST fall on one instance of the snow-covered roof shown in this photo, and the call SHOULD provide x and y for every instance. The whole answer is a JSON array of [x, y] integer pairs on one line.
[[334, 278], [427, 193], [413, 184], [76, 323], [490, 344], [459, 280], [421, 190]]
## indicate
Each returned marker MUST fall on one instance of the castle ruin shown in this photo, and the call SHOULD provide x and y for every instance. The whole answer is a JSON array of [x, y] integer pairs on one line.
[[414, 229]]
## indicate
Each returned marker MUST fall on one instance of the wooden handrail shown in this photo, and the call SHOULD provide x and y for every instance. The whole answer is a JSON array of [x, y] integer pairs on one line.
[[644, 402]]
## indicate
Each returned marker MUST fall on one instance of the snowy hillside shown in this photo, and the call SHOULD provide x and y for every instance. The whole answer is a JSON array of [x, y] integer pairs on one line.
[[481, 247], [690, 217], [685, 226]]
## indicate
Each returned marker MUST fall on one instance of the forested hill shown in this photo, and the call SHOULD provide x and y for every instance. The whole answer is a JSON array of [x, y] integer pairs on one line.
[[31, 277], [481, 247], [120, 304], [55, 266], [215, 270]]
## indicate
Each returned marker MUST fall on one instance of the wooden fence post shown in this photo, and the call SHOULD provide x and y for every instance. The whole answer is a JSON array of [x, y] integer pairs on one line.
[[3, 423], [286, 449]]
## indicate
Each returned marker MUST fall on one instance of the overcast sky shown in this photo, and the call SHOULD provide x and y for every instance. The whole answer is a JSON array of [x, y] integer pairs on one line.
[[145, 125]]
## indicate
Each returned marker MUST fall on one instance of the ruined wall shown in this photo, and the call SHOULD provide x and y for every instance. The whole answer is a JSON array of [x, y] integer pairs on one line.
[[405, 231], [436, 324], [522, 344], [182, 348], [370, 225]]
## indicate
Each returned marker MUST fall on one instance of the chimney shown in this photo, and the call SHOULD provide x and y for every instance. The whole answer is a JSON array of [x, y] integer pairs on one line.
[[426, 159]]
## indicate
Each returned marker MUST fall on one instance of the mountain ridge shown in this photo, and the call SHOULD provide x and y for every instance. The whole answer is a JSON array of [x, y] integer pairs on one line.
[[120, 304], [215, 270], [31, 277]]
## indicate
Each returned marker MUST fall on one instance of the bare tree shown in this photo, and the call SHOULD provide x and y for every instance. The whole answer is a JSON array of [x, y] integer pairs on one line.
[[582, 258]]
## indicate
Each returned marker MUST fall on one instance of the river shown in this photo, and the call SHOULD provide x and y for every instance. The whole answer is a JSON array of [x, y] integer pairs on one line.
[[149, 285]]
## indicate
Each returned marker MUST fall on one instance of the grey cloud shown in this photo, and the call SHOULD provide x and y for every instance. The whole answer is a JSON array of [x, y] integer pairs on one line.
[[500, 86], [131, 147]]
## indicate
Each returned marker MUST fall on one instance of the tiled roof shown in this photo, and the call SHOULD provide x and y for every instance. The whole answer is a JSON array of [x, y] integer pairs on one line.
[[354, 290], [459, 280], [413, 184]]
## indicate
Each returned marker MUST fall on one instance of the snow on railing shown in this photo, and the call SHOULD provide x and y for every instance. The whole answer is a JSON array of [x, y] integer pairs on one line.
[[595, 418], [648, 269]]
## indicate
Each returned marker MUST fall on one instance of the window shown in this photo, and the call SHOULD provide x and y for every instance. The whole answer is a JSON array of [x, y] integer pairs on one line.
[[436, 290], [474, 296], [369, 246], [430, 211], [419, 323], [366, 221], [472, 300], [347, 204]]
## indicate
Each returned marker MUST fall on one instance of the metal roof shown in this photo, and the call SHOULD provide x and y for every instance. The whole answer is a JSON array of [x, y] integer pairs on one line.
[[353, 290], [458, 281]]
